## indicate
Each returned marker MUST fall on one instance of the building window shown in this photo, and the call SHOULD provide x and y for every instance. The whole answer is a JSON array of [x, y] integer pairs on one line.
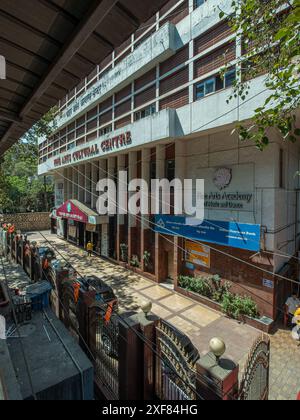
[[105, 130], [71, 146], [199, 3], [153, 169], [215, 84], [144, 113], [170, 170], [205, 88], [229, 78]]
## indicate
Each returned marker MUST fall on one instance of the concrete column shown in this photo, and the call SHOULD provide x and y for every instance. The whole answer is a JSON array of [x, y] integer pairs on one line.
[[81, 183], [157, 89], [132, 174], [70, 185], [121, 235], [191, 72], [160, 174], [75, 182], [180, 167], [145, 218], [66, 184], [88, 184], [95, 180]]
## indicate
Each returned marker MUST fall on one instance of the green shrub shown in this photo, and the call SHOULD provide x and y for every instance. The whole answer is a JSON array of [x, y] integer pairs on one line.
[[215, 289], [211, 287], [236, 306]]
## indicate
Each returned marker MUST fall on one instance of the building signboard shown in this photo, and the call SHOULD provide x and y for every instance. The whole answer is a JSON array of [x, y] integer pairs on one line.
[[231, 234], [197, 254], [109, 145], [71, 212]]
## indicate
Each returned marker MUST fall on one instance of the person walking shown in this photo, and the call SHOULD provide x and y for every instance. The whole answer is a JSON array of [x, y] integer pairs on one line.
[[90, 248]]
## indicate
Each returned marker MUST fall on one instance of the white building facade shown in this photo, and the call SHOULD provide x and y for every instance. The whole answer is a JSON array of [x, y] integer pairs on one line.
[[157, 108]]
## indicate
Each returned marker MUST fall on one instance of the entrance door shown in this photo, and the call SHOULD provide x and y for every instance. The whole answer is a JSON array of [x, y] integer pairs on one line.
[[65, 224], [170, 266], [81, 230], [112, 237]]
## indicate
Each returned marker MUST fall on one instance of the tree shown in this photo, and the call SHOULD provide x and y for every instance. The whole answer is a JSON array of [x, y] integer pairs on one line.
[[269, 31], [21, 189]]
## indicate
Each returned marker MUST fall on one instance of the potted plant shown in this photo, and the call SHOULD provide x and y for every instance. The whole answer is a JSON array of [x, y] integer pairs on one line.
[[147, 260], [135, 261], [124, 252]]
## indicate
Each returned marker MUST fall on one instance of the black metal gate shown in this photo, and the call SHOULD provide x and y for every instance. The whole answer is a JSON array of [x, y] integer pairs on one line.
[[255, 382], [68, 313], [175, 364], [104, 344]]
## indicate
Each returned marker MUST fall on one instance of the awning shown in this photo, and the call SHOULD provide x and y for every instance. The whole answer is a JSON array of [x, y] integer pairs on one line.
[[79, 212]]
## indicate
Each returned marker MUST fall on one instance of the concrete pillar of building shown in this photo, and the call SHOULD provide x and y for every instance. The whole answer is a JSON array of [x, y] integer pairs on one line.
[[95, 180], [145, 225], [75, 182], [111, 170], [66, 184], [132, 174], [105, 227], [70, 183], [81, 183], [88, 184], [160, 174], [121, 234]]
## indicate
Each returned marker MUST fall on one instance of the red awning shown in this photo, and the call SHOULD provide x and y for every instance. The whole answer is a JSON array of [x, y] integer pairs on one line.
[[74, 210]]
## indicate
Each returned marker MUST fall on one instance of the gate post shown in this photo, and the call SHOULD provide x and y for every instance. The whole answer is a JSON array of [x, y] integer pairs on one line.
[[130, 361], [148, 330], [217, 379], [86, 299]]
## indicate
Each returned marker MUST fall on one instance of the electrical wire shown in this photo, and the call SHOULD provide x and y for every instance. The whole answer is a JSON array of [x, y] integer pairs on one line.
[[146, 341]]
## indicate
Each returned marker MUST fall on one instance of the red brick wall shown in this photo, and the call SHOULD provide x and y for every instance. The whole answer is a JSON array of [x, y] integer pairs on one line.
[[177, 14], [106, 118], [146, 96], [144, 80], [123, 93], [213, 36], [123, 108], [177, 100], [122, 122], [176, 80], [106, 104], [245, 280], [179, 58], [215, 60]]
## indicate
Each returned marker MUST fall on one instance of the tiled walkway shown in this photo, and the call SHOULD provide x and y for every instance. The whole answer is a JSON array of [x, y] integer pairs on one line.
[[197, 321]]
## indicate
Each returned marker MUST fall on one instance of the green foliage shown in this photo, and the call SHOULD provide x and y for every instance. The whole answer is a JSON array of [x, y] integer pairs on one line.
[[211, 287], [21, 189], [135, 262], [271, 34], [147, 259], [236, 306], [215, 289], [124, 252]]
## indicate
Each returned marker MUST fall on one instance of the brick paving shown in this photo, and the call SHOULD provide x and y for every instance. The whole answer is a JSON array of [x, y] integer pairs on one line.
[[197, 321]]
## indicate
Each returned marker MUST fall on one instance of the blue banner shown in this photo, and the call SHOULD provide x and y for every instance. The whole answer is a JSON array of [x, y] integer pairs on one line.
[[233, 234]]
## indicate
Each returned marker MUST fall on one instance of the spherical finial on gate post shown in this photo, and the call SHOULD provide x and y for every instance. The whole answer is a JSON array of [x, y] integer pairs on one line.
[[217, 347], [146, 308]]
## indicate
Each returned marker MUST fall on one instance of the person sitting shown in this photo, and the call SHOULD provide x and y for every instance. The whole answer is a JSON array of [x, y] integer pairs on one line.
[[291, 306]]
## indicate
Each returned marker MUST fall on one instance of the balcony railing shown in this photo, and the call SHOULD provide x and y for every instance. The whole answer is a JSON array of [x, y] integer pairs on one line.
[[160, 46]]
